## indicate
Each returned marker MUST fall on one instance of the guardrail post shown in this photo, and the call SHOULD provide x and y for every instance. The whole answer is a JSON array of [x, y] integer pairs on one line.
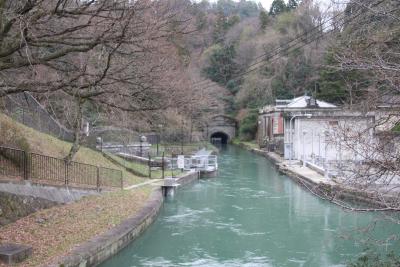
[[66, 172], [98, 179], [25, 164]]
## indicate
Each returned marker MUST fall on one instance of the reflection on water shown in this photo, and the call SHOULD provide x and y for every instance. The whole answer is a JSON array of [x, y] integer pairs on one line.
[[249, 216]]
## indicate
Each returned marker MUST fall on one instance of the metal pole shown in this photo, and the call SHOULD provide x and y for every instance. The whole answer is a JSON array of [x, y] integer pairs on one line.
[[291, 139], [312, 146], [149, 166], [163, 165], [319, 145], [98, 179], [182, 138], [158, 140], [304, 148], [141, 146], [172, 166]]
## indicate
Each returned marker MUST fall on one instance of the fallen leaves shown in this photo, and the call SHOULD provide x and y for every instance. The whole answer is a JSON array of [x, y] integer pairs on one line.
[[55, 231]]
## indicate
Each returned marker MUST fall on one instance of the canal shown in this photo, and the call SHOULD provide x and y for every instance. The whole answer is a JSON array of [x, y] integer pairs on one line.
[[250, 215]]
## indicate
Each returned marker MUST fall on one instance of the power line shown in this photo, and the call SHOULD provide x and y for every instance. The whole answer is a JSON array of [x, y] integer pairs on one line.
[[281, 49], [298, 37]]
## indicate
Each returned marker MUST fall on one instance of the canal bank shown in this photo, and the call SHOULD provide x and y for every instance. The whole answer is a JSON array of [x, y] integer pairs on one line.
[[106, 245], [323, 187], [250, 215]]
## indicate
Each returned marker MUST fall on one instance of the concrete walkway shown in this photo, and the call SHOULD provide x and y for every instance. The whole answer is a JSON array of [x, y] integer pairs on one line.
[[308, 173], [297, 168], [150, 182]]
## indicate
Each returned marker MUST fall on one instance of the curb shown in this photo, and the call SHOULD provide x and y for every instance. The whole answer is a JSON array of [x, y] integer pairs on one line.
[[102, 247]]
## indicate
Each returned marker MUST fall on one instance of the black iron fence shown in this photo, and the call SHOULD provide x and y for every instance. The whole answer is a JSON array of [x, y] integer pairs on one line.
[[12, 162], [36, 167]]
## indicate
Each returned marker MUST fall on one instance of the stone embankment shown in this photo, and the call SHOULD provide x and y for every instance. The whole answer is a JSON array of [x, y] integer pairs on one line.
[[104, 246], [13, 206], [326, 188]]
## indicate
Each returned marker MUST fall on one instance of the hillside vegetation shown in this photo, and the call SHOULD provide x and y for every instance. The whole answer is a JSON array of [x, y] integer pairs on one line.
[[240, 37], [14, 134]]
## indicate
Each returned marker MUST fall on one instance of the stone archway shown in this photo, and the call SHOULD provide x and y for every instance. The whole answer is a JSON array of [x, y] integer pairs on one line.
[[219, 138], [222, 128]]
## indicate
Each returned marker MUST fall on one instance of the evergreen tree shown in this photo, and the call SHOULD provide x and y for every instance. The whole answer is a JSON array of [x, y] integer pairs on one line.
[[222, 65], [292, 4], [277, 7], [341, 86], [264, 19]]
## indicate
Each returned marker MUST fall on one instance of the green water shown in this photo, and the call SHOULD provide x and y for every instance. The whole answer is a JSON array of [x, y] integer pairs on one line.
[[251, 216]]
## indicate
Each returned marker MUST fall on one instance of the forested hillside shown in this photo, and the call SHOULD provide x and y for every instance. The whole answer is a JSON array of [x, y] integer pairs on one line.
[[173, 64], [296, 48], [236, 48]]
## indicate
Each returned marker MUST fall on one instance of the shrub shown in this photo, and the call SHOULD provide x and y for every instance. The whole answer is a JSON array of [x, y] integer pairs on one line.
[[248, 126], [373, 259]]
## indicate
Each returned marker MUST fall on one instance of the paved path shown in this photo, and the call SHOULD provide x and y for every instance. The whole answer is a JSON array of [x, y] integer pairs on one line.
[[297, 168], [308, 173], [150, 182]]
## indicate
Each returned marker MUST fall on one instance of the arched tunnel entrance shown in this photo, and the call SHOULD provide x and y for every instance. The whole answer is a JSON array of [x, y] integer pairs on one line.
[[219, 138]]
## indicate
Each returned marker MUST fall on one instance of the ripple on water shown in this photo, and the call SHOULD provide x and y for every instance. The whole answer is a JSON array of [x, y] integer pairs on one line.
[[187, 216], [207, 260]]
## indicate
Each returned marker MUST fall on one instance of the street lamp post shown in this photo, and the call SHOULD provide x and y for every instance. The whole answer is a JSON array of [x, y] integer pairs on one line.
[[140, 147], [142, 139], [308, 116]]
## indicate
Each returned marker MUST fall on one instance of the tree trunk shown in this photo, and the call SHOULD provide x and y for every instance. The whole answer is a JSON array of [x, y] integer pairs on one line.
[[77, 131]]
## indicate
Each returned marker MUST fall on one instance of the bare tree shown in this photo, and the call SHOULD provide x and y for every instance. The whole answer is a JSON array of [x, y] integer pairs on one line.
[[368, 44], [117, 54]]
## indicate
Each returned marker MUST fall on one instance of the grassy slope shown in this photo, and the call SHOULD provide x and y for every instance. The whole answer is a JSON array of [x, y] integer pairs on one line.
[[55, 231], [48, 145], [144, 169], [187, 148]]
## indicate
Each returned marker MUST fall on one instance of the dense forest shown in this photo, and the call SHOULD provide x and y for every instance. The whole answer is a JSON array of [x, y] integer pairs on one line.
[[145, 64], [256, 55], [296, 48]]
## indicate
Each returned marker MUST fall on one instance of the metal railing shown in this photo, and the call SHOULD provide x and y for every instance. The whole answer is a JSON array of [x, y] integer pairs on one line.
[[37, 167], [12, 162], [24, 108]]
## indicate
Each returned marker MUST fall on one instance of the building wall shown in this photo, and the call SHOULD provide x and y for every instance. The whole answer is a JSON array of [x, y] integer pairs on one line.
[[270, 128], [320, 138]]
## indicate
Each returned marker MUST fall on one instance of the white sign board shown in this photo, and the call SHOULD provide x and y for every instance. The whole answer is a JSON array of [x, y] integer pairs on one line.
[[181, 161]]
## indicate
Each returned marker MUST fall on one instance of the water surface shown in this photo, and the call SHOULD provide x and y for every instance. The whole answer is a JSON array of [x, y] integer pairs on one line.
[[250, 215]]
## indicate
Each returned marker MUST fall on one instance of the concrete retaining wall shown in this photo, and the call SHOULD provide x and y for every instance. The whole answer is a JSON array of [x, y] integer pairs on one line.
[[102, 247], [350, 195], [188, 178], [51, 193], [13, 207]]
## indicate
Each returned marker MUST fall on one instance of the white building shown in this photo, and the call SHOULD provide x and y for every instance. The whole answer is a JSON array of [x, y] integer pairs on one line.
[[316, 131]]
